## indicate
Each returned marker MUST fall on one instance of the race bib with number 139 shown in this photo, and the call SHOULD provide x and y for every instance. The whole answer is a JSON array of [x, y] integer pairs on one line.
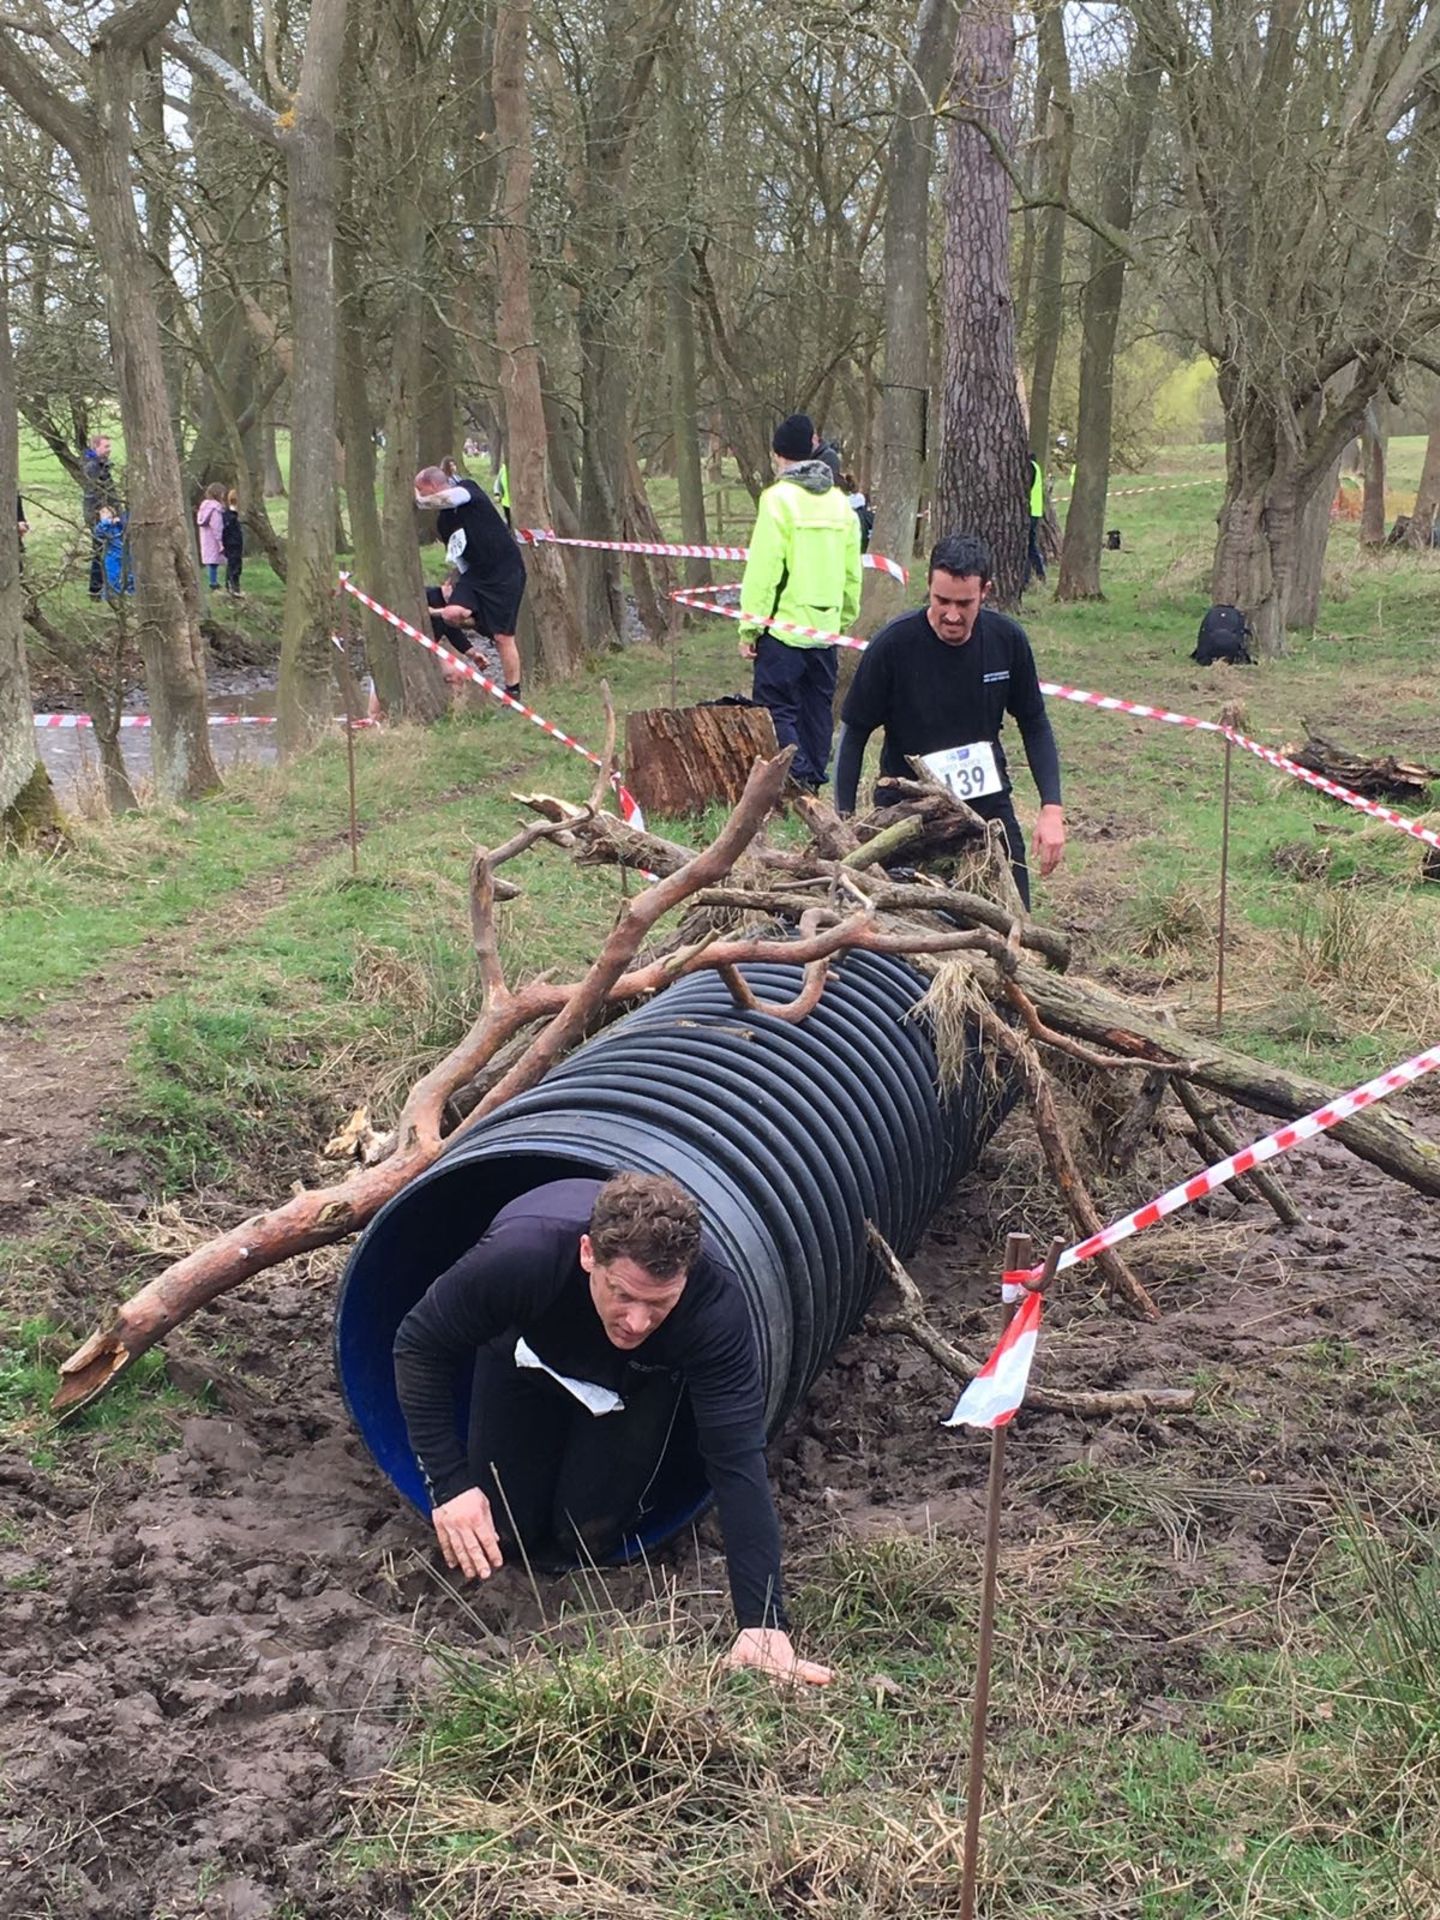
[[969, 772]]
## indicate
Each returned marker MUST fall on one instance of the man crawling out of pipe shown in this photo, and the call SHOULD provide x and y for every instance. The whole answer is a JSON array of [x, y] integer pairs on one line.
[[588, 1312]]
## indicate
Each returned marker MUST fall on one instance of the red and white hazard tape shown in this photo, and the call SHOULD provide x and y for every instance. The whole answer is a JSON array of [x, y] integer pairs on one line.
[[629, 807], [1169, 486], [533, 536], [1268, 754], [1274, 1144], [145, 720], [694, 598]]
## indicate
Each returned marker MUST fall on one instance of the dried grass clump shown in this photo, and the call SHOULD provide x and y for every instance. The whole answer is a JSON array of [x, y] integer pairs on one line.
[[426, 1001], [952, 1005], [1168, 922], [1370, 962]]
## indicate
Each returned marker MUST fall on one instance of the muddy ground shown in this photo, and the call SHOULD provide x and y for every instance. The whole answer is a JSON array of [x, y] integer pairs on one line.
[[203, 1655]]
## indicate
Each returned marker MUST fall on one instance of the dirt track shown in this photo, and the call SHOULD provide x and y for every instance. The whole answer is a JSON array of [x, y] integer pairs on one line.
[[200, 1657]]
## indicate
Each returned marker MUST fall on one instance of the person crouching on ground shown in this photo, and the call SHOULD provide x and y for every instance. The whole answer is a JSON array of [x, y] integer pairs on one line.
[[490, 575], [588, 1311], [803, 569]]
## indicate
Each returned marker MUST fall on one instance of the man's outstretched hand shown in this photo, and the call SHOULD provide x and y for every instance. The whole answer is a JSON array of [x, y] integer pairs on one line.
[[768, 1650], [465, 1529]]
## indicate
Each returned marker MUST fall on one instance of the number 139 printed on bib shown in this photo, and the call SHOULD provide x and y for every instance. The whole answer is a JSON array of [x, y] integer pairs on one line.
[[969, 772]]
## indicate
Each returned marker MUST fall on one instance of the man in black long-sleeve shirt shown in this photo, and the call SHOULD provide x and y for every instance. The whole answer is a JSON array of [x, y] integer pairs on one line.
[[940, 682], [587, 1311]]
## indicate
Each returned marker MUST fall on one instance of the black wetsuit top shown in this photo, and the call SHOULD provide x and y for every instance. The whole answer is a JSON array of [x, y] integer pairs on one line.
[[524, 1277], [929, 695], [487, 547]]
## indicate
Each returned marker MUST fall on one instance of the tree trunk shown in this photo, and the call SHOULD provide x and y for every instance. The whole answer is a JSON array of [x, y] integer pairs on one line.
[[680, 310], [1277, 453], [226, 180], [399, 56], [981, 486], [357, 429], [306, 673], [905, 390], [27, 804], [438, 435], [1427, 497], [154, 149], [1049, 290], [680, 760], [167, 600], [557, 625], [602, 432], [274, 476], [1100, 305], [1373, 444], [1310, 548]]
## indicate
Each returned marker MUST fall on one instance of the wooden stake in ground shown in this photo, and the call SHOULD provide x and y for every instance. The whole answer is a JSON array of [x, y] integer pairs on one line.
[[348, 693], [1232, 716], [1018, 1247]]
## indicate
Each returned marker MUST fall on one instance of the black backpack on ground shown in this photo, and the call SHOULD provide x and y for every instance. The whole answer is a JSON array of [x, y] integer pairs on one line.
[[1223, 633]]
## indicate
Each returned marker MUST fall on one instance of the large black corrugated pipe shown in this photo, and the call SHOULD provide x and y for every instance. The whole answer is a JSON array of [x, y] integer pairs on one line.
[[789, 1136]]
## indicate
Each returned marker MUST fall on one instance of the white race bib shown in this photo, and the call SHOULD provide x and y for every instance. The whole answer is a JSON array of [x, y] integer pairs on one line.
[[593, 1398], [455, 548], [969, 772]]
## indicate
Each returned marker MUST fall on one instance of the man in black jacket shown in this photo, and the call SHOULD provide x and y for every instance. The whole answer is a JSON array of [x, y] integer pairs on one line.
[[940, 682], [587, 1312]]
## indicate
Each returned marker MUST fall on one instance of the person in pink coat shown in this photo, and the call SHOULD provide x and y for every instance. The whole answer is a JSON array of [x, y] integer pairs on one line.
[[210, 518]]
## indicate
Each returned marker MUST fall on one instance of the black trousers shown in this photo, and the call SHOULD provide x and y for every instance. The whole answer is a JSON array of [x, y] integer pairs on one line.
[[565, 1484], [797, 684], [1036, 557]]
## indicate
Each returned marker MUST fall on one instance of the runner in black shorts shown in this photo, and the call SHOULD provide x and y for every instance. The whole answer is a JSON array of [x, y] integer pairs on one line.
[[490, 575]]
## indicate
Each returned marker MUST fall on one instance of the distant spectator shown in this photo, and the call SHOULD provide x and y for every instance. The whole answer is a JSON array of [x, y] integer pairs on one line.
[[210, 519], [864, 512], [232, 543], [22, 525], [1036, 557], [829, 454], [112, 545], [99, 493]]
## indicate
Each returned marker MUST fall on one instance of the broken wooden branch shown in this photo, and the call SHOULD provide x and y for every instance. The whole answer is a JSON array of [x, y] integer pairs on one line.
[[913, 1323], [1064, 1170], [1211, 1125]]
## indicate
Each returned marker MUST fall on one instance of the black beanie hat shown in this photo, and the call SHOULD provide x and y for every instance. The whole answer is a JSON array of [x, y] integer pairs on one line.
[[795, 437]]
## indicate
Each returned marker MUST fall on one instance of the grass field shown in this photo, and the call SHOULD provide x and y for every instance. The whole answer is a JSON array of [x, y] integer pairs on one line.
[[1218, 1693]]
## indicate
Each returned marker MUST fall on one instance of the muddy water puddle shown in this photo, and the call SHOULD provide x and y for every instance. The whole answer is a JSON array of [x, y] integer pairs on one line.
[[242, 734]]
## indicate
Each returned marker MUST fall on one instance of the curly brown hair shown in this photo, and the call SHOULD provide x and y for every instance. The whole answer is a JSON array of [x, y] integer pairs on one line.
[[649, 1219]]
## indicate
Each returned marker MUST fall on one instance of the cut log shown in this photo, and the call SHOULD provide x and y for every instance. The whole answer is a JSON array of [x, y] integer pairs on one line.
[[1377, 777], [680, 760]]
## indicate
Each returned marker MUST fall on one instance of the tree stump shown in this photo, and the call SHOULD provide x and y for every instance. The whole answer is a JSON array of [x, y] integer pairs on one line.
[[678, 760]]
